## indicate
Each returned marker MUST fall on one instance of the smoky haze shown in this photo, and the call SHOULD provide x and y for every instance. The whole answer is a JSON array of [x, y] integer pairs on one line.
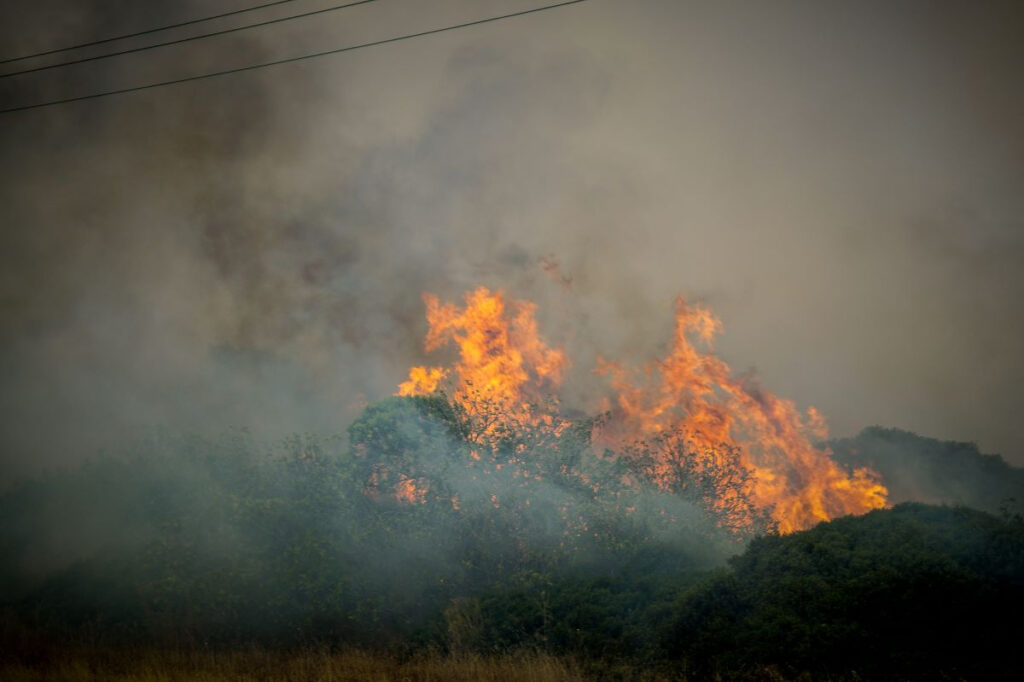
[[841, 183]]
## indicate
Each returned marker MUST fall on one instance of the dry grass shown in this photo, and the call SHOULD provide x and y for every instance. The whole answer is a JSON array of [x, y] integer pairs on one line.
[[258, 665]]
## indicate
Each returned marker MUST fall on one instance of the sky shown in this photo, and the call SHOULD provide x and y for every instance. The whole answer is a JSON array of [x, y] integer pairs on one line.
[[840, 182]]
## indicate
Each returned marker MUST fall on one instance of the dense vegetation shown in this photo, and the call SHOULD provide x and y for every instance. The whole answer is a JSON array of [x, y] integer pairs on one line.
[[915, 592], [191, 539], [409, 536]]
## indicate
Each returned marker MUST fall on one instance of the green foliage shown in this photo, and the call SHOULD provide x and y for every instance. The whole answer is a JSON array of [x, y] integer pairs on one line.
[[909, 593], [175, 539], [187, 538], [617, 613], [513, 535]]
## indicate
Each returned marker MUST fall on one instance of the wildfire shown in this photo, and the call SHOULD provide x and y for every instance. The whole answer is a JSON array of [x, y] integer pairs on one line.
[[692, 396], [409, 492], [688, 410], [503, 364]]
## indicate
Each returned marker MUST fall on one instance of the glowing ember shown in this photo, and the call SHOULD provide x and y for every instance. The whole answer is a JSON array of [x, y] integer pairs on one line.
[[409, 492]]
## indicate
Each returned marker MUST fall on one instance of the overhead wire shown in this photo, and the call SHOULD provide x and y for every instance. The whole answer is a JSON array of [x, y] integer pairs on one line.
[[147, 31], [177, 41], [290, 60]]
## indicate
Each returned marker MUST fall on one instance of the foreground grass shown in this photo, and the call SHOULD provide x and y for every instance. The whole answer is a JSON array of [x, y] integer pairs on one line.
[[259, 665], [77, 663]]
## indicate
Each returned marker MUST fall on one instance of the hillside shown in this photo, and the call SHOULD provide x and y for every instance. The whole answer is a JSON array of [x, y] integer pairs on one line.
[[916, 468]]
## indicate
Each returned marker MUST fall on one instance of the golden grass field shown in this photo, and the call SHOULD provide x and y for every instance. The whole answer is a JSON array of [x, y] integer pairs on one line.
[[314, 665]]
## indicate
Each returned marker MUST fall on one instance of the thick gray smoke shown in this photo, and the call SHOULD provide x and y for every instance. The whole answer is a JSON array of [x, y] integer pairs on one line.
[[840, 184]]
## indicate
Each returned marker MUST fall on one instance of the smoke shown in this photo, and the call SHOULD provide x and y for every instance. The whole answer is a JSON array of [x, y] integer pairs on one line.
[[250, 250], [188, 538], [922, 469]]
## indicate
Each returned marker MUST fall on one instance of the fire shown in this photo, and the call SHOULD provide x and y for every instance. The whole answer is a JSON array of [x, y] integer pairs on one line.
[[683, 417], [693, 396], [408, 491], [503, 364], [422, 381]]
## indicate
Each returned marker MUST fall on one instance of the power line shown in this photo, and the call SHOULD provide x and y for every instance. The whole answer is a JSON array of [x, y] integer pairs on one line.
[[289, 60], [146, 32], [188, 39]]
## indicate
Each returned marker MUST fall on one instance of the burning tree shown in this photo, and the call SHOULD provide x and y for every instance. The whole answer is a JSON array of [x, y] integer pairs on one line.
[[746, 456]]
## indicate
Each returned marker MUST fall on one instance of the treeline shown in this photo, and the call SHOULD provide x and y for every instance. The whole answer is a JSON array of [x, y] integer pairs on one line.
[[921, 469], [427, 528]]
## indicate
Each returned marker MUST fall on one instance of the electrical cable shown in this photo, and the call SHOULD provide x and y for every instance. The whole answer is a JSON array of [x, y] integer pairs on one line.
[[145, 32], [289, 60], [177, 41]]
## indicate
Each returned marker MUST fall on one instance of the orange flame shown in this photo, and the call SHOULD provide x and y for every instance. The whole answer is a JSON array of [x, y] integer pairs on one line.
[[502, 365], [409, 492], [687, 405], [694, 394], [422, 381]]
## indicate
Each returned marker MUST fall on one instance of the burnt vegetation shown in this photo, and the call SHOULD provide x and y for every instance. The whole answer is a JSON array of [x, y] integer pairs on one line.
[[431, 527]]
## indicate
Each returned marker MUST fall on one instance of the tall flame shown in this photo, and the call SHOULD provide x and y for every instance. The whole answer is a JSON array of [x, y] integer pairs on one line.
[[693, 394], [686, 405], [502, 363]]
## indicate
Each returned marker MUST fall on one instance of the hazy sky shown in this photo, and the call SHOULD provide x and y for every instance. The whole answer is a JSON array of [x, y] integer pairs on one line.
[[843, 182]]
